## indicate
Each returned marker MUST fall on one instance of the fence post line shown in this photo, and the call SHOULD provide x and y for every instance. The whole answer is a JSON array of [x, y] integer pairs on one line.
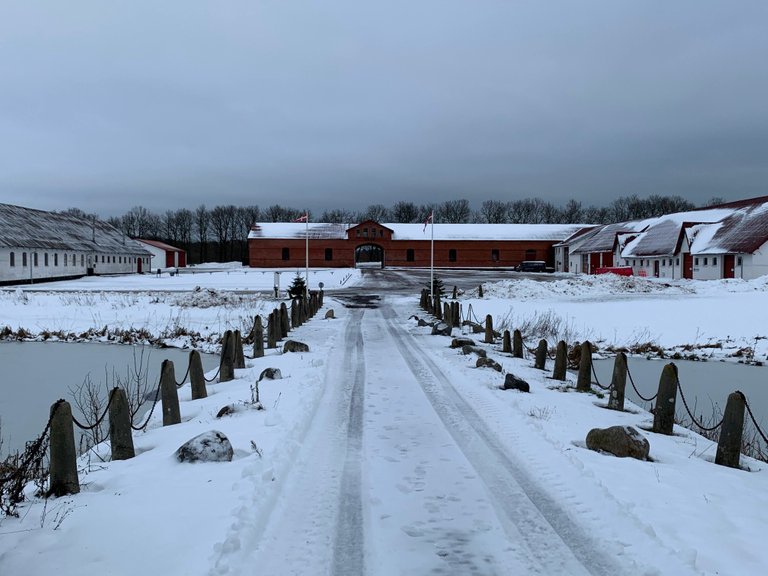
[[320, 299], [517, 344], [271, 340], [438, 306], [456, 311], [422, 300], [258, 338], [120, 436], [62, 451], [729, 444], [169, 394], [294, 314], [664, 414], [430, 306], [584, 380], [226, 366], [561, 361], [447, 314], [618, 383], [197, 376], [488, 329], [238, 357], [541, 355]]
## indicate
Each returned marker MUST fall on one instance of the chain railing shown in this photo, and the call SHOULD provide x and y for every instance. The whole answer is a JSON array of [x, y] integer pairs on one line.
[[634, 387], [692, 416]]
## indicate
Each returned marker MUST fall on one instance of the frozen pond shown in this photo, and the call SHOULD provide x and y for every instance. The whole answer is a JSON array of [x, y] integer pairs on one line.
[[703, 383], [36, 374]]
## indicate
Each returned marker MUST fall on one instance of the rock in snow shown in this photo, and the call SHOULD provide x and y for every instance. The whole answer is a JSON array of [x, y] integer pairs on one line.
[[295, 346], [211, 446], [621, 441], [270, 374]]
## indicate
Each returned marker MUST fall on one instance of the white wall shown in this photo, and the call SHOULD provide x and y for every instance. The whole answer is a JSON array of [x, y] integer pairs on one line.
[[755, 264]]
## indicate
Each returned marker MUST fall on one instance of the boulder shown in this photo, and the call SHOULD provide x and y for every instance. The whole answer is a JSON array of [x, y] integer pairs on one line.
[[512, 382], [621, 441], [459, 342], [441, 329], [226, 411], [211, 446], [329, 315], [270, 374], [295, 346], [424, 322], [488, 363], [473, 350]]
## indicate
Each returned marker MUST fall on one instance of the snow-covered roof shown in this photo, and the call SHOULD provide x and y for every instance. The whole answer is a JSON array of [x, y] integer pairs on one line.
[[547, 232], [601, 239], [158, 244], [29, 228], [742, 232]]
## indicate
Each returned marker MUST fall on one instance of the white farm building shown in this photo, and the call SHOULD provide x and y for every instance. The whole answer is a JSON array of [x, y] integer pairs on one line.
[[37, 246]]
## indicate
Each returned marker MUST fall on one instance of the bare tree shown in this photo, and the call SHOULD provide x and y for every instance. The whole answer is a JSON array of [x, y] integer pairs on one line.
[[455, 211], [184, 223], [277, 213], [715, 201], [572, 212], [376, 212], [494, 211], [202, 228], [221, 226], [338, 216]]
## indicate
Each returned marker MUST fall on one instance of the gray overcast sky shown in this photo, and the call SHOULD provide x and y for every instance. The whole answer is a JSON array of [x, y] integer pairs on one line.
[[105, 105]]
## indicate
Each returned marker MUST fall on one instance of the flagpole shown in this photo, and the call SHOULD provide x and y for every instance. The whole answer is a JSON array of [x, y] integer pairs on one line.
[[432, 258], [306, 262]]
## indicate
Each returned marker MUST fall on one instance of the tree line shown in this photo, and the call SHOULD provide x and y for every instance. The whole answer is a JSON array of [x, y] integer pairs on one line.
[[221, 233]]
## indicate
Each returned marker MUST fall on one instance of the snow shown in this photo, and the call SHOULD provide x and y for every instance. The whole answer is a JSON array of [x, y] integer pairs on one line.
[[383, 451]]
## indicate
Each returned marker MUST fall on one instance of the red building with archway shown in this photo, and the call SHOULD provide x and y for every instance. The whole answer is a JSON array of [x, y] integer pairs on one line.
[[283, 245]]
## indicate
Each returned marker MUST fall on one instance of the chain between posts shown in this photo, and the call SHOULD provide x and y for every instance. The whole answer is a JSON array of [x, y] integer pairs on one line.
[[36, 446], [690, 414], [98, 421], [754, 421], [597, 381], [643, 398], [180, 384], [154, 403], [214, 376]]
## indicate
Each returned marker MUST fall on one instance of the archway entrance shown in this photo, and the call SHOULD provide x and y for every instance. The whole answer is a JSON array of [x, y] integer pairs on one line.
[[369, 256]]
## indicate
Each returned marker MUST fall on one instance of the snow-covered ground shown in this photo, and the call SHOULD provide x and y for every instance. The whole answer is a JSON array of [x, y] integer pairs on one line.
[[384, 451]]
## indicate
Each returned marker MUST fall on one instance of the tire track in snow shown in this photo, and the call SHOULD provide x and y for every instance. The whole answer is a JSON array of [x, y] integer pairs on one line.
[[554, 539]]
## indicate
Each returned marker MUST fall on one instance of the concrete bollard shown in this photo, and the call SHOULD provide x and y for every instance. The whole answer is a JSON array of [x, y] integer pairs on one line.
[[488, 329], [618, 383], [62, 452], [729, 445], [238, 357], [664, 414], [295, 320], [480, 291], [506, 343], [197, 376], [438, 306], [320, 299], [541, 355], [226, 365], [584, 380], [169, 394], [258, 337], [302, 310], [423, 299], [561, 361], [517, 344], [447, 314], [456, 308], [455, 293], [285, 321], [430, 306], [271, 340], [120, 435]]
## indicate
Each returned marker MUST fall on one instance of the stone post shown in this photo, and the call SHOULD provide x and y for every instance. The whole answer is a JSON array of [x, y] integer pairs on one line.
[[438, 306], [455, 290], [226, 365], [62, 453], [430, 307], [169, 394], [258, 337], [295, 320], [541, 355], [584, 380], [423, 299], [197, 376], [506, 343], [618, 382], [320, 299], [517, 344], [488, 329], [271, 340], [120, 435], [456, 309], [561, 362], [480, 291], [447, 315], [238, 358], [285, 322], [664, 414], [729, 445]]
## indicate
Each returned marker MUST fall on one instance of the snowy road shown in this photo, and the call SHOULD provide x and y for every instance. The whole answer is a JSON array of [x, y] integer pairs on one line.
[[398, 475]]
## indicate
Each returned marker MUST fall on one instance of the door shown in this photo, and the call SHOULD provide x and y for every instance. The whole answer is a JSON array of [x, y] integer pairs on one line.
[[655, 268], [138, 265], [729, 266], [687, 266]]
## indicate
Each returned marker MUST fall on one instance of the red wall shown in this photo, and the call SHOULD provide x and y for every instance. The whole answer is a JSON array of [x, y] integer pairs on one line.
[[267, 253]]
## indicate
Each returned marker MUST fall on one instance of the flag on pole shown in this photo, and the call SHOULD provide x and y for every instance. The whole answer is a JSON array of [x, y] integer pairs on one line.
[[304, 218], [427, 221]]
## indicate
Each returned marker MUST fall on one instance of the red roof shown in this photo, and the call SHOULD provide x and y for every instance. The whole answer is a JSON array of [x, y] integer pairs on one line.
[[161, 245]]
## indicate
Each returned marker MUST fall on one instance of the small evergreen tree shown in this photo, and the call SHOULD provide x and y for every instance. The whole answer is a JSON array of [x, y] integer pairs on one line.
[[298, 287], [438, 287]]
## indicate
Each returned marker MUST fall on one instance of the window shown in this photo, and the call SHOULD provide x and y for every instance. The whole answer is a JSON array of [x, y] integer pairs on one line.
[[677, 261], [365, 232], [738, 261], [13, 259], [410, 255], [82, 259], [65, 259], [495, 255], [102, 258], [35, 259], [634, 262], [381, 233], [706, 261], [329, 254], [45, 258], [714, 261], [286, 253], [357, 232], [452, 255], [695, 261], [55, 259], [23, 258]]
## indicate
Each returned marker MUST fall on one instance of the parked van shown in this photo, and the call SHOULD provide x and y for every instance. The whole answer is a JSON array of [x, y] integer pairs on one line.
[[532, 266]]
